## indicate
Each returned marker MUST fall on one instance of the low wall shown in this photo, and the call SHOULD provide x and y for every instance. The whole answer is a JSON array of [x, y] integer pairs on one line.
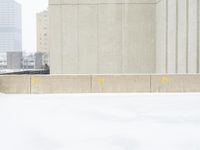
[[60, 84], [120, 83], [99, 84], [175, 83], [15, 84]]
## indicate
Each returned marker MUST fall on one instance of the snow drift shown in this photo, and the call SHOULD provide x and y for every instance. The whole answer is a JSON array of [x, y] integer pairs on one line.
[[100, 122]]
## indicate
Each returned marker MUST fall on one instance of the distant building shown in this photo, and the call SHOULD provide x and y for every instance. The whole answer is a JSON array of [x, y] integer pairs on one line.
[[42, 32], [3, 61], [10, 26], [41, 59], [28, 61], [34, 61], [14, 60]]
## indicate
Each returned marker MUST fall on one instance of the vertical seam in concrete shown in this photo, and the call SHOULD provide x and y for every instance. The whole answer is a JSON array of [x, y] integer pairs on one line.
[[155, 41], [122, 37], [166, 37], [61, 36], [187, 35], [98, 67], [177, 31], [197, 36], [78, 47], [125, 53]]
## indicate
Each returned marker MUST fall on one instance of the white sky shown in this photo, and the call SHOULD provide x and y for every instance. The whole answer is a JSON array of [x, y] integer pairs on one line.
[[29, 10]]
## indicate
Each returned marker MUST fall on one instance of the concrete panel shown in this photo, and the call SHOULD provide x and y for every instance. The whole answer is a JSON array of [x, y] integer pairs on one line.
[[172, 36], [69, 1], [124, 49], [198, 35], [70, 41], [142, 1], [88, 39], [55, 39], [100, 1], [139, 38], [110, 1], [53, 2], [120, 83], [192, 47], [182, 39], [161, 37], [15, 84], [175, 83], [110, 39], [60, 84], [182, 33], [88, 1]]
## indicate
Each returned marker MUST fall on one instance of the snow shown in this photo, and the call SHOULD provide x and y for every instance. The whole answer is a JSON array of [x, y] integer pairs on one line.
[[100, 122]]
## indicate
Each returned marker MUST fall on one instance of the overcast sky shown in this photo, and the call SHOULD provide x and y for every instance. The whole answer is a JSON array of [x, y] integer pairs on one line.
[[29, 10]]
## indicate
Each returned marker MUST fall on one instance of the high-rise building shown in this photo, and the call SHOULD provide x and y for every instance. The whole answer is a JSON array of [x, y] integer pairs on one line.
[[42, 32], [10, 26]]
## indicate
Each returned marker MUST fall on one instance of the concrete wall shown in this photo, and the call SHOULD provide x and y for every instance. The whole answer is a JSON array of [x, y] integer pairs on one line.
[[102, 36], [124, 36], [175, 83], [99, 84], [15, 84], [120, 83], [177, 38], [60, 84]]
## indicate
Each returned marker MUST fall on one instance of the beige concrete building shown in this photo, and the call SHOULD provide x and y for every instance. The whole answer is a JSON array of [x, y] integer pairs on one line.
[[102, 36], [42, 32], [178, 36], [124, 36]]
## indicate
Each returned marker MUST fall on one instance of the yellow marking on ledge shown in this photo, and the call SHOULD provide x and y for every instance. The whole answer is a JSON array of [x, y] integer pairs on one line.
[[101, 81], [35, 81], [165, 80]]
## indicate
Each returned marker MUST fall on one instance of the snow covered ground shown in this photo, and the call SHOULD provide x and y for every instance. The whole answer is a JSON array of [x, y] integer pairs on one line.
[[100, 122]]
